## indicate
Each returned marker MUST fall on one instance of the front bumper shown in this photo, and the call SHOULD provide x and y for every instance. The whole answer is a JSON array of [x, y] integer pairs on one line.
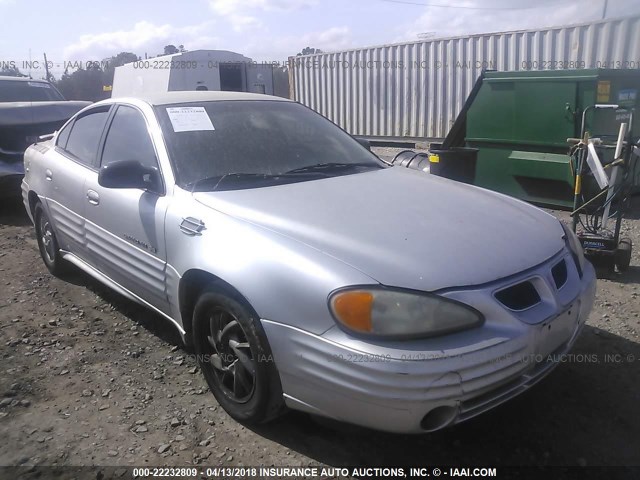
[[419, 386]]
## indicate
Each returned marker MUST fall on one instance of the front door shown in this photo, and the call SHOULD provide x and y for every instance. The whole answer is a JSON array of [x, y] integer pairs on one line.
[[125, 226]]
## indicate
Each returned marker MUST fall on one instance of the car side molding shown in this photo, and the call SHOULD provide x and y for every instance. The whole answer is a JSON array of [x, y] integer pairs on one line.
[[102, 278]]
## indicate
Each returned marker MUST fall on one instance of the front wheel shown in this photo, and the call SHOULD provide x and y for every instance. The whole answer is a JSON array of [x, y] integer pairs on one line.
[[235, 358]]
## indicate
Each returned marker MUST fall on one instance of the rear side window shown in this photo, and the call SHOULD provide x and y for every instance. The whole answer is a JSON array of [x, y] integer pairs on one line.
[[63, 136], [85, 136], [128, 139]]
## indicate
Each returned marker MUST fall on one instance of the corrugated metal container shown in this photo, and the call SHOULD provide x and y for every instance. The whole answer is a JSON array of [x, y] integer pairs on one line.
[[417, 89]]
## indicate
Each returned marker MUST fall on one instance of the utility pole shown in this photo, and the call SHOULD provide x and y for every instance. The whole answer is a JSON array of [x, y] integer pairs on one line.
[[46, 67], [604, 9]]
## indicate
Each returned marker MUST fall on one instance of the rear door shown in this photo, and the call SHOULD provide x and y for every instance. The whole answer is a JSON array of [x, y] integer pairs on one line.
[[65, 171], [125, 226]]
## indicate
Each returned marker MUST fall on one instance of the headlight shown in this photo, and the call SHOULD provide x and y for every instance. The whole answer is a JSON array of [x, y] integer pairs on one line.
[[386, 312], [575, 247]]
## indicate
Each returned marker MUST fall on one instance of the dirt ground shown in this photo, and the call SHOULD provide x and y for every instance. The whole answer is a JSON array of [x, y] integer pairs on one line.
[[89, 378]]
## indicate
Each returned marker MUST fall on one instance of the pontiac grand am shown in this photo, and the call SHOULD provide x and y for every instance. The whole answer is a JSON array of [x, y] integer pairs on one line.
[[306, 272]]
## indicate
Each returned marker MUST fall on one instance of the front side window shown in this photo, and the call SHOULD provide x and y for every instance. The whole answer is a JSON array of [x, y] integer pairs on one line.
[[85, 135], [223, 145], [128, 139]]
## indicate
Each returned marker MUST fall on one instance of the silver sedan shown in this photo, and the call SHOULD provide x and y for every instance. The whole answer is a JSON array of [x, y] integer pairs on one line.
[[306, 272]]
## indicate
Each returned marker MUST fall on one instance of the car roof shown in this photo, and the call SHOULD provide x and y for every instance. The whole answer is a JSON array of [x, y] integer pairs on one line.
[[168, 98], [21, 79]]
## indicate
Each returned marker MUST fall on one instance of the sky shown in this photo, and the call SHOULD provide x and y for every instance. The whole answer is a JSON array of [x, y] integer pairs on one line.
[[265, 30]]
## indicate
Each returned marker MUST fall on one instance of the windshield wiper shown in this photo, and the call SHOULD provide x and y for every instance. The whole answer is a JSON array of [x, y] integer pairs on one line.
[[325, 167], [220, 179], [310, 170]]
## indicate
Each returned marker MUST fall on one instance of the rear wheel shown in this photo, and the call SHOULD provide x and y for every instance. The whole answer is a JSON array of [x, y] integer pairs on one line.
[[47, 242], [235, 358]]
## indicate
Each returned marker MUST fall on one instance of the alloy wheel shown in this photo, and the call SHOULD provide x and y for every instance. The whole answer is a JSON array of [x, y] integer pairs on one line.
[[230, 355], [46, 235]]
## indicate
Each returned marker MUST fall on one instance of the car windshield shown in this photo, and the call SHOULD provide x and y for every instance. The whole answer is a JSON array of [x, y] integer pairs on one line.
[[223, 145], [21, 91]]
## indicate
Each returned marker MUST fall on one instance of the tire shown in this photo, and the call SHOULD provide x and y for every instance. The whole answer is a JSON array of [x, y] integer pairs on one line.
[[623, 254], [47, 242], [235, 358]]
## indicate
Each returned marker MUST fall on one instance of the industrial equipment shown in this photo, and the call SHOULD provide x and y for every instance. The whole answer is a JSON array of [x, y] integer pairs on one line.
[[597, 228]]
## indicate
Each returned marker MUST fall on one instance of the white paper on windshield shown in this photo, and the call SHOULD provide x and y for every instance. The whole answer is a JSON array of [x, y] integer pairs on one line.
[[189, 119]]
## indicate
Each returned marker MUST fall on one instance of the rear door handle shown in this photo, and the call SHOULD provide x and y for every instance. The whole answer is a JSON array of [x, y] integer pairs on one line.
[[93, 197], [48, 174]]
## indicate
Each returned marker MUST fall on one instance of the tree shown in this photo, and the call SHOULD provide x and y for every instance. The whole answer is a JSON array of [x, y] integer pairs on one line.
[[309, 51], [11, 70], [170, 50], [83, 84]]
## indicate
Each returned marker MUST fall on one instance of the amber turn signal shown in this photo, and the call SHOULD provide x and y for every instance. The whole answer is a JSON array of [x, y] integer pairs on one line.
[[354, 309]]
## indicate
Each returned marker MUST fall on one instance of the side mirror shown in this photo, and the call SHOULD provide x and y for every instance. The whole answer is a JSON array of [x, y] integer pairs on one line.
[[364, 142], [129, 174]]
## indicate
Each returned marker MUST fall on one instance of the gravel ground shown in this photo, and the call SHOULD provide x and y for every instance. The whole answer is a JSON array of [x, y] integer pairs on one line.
[[89, 378]]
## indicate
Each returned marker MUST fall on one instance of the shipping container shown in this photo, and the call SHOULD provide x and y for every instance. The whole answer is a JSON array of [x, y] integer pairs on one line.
[[415, 90]]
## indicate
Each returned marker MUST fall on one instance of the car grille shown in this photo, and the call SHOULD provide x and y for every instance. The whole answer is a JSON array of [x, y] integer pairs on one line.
[[525, 294], [560, 274], [519, 297]]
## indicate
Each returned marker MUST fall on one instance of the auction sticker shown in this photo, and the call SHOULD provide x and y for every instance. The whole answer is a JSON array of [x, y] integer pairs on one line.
[[189, 119]]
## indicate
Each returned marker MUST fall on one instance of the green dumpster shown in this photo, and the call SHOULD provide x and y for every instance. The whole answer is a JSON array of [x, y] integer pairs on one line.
[[520, 121]]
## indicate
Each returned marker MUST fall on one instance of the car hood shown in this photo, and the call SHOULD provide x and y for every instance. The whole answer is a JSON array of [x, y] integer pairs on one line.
[[402, 227], [27, 113]]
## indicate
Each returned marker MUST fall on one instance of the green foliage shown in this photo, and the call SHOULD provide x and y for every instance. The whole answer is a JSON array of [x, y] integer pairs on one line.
[[309, 51], [88, 83], [170, 50], [83, 84], [11, 71]]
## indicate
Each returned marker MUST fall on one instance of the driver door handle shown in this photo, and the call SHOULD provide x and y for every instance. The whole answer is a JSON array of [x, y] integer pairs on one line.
[[93, 197]]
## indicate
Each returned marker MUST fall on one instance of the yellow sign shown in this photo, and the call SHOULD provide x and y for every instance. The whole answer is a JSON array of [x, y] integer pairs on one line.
[[433, 158], [604, 91], [107, 88]]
